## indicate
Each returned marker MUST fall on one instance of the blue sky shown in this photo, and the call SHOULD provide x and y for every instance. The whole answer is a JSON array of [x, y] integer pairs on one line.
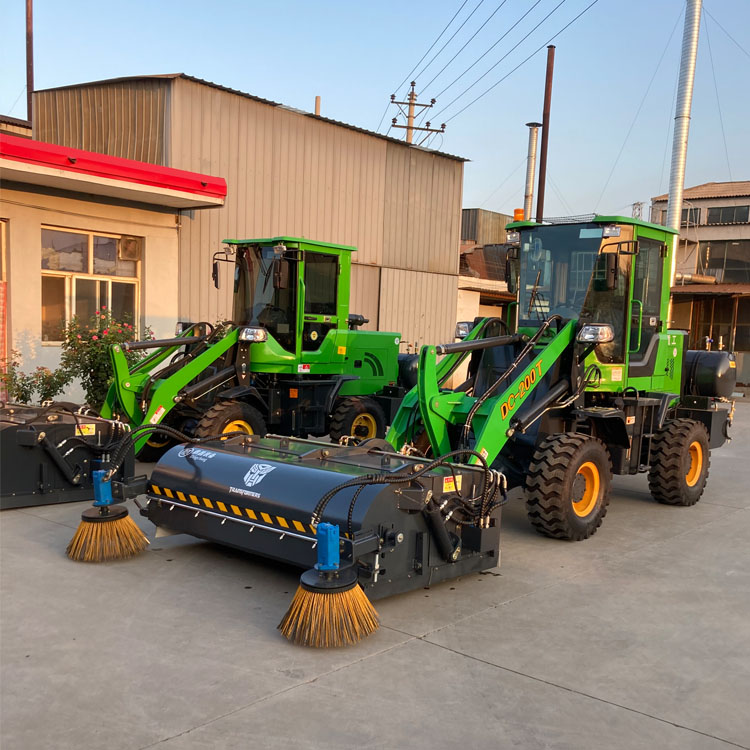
[[617, 58]]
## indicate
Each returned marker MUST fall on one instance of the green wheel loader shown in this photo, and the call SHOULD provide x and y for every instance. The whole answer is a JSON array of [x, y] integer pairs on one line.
[[585, 380], [292, 360]]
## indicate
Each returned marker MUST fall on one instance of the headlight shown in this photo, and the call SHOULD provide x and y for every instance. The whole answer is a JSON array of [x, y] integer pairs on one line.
[[596, 333], [254, 334], [463, 329]]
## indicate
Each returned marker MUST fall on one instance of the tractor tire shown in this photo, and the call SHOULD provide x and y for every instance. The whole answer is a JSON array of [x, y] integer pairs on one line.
[[231, 416], [358, 416], [156, 446], [568, 486], [680, 459]]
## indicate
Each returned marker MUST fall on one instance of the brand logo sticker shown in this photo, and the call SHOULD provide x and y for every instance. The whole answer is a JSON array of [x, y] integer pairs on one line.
[[197, 454], [256, 473]]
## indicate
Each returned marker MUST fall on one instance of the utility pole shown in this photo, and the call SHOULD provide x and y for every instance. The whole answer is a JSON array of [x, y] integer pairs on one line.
[[545, 134], [410, 127]]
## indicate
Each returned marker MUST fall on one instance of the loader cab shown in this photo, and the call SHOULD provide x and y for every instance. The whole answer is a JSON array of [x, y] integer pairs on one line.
[[609, 272], [297, 290]]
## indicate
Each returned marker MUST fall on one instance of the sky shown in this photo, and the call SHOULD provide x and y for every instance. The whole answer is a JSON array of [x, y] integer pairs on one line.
[[616, 70]]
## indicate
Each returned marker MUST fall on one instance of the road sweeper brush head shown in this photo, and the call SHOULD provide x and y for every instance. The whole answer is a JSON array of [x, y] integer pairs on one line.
[[106, 531], [329, 607]]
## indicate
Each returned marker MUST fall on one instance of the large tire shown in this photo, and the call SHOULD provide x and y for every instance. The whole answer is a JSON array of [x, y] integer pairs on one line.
[[680, 459], [156, 446], [358, 416], [568, 486], [231, 416]]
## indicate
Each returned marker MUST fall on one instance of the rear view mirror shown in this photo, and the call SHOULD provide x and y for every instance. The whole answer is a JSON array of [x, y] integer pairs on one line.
[[281, 273], [215, 273], [611, 270]]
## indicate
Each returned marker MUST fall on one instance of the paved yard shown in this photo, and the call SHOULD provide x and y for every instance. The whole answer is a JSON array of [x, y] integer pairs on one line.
[[636, 638]]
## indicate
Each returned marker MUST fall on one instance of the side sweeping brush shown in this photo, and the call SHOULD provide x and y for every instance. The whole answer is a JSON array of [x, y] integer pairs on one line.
[[329, 607], [106, 531]]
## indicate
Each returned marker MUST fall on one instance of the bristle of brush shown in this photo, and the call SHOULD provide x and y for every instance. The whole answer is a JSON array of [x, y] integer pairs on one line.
[[105, 541], [329, 619]]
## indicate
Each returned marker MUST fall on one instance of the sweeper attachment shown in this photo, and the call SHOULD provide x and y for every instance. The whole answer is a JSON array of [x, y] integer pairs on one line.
[[48, 454], [405, 522]]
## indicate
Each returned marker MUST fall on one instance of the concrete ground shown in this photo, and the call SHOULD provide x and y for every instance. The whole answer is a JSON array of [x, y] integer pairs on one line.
[[636, 638]]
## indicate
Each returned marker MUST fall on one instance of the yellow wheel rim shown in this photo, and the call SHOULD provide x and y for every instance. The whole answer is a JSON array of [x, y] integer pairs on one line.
[[238, 425], [590, 495], [364, 426], [155, 442], [696, 464]]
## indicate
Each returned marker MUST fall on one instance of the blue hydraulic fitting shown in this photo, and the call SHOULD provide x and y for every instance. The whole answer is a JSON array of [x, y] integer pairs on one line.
[[328, 547], [103, 489]]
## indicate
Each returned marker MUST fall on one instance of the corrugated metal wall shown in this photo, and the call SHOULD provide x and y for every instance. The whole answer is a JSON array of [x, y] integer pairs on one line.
[[421, 306], [119, 118], [483, 227], [287, 174]]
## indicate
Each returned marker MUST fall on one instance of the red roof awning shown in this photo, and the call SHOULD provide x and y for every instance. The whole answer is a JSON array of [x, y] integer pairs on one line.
[[38, 163]]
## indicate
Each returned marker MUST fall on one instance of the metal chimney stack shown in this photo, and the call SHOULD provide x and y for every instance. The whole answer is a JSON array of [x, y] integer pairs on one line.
[[528, 197], [682, 113]]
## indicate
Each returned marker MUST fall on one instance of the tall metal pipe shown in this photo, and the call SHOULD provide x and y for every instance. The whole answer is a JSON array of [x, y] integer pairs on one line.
[[29, 57], [682, 113], [528, 196], [545, 133]]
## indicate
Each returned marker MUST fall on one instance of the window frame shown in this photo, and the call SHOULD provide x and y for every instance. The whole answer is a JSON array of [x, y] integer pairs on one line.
[[71, 278]]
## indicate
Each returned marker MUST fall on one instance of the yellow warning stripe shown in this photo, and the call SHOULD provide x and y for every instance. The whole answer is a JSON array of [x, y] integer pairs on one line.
[[279, 521]]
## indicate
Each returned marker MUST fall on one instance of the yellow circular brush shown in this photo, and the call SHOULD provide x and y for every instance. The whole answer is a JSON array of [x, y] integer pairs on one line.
[[329, 607], [106, 531]]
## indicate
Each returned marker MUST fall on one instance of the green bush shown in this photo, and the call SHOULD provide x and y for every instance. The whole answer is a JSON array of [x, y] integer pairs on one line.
[[22, 387], [85, 352]]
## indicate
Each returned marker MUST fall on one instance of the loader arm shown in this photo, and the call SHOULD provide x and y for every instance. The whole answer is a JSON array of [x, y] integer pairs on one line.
[[439, 409], [127, 386]]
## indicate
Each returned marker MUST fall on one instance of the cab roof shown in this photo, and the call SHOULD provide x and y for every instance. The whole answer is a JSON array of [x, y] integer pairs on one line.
[[291, 241], [595, 219]]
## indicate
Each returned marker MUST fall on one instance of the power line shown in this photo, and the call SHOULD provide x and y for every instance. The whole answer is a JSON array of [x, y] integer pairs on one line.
[[727, 33], [451, 39], [637, 112], [408, 76], [523, 62], [718, 103], [512, 26], [523, 39], [487, 20], [511, 174], [559, 194]]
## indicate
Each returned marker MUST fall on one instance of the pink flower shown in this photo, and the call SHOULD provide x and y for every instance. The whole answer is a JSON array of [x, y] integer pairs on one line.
[[119, 330], [94, 338], [104, 307], [105, 331], [79, 335]]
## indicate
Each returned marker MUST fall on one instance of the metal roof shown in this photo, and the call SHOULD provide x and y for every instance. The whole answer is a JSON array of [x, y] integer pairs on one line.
[[738, 189], [256, 99], [742, 290], [28, 161]]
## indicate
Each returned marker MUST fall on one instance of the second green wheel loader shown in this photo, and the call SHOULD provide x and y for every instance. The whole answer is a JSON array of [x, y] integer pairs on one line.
[[292, 359]]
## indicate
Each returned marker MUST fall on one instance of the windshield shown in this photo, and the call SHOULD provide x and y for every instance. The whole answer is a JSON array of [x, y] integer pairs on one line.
[[258, 302], [556, 266]]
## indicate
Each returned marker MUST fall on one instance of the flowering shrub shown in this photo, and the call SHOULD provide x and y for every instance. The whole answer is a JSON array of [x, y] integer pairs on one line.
[[85, 352], [43, 382]]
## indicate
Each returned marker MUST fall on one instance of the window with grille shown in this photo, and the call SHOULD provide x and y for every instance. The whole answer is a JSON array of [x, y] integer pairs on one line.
[[85, 271], [728, 215]]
